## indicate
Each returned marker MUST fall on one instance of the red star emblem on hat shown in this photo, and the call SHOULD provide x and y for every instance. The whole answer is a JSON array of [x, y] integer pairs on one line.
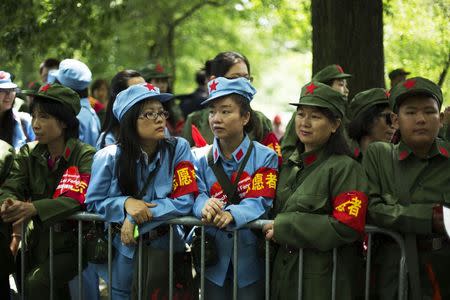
[[310, 89], [339, 68], [159, 68], [410, 83], [45, 87], [213, 86], [150, 87]]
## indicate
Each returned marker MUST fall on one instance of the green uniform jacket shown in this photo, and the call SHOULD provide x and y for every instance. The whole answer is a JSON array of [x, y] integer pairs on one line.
[[305, 204], [200, 119], [6, 159], [424, 183], [30, 178]]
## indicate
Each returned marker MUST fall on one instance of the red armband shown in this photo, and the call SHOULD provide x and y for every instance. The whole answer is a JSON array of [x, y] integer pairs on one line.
[[184, 181], [350, 208], [73, 185]]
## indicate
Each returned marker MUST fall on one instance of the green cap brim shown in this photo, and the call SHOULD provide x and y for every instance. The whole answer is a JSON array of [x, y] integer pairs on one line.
[[316, 101]]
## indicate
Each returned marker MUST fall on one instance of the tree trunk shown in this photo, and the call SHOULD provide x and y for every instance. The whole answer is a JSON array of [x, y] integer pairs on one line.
[[350, 33]]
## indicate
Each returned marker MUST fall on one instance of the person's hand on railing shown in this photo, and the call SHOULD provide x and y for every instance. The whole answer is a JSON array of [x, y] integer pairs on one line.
[[16, 211], [222, 219], [268, 231], [212, 207], [139, 210], [126, 233]]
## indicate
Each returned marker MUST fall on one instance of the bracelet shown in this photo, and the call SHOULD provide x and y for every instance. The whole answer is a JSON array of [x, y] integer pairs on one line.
[[16, 235]]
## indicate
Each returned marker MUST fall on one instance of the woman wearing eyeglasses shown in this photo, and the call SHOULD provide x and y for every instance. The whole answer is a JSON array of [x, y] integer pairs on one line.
[[139, 183], [15, 127], [370, 120]]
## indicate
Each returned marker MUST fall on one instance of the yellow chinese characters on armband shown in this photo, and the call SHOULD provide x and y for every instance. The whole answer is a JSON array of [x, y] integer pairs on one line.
[[350, 208], [263, 184], [73, 184], [184, 181]]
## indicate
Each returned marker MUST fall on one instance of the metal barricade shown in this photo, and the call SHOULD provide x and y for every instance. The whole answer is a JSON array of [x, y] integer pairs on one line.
[[191, 221]]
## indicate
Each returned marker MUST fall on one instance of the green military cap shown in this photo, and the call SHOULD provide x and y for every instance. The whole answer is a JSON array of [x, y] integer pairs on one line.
[[61, 94], [414, 86], [397, 72], [365, 100], [153, 70], [329, 73], [321, 95]]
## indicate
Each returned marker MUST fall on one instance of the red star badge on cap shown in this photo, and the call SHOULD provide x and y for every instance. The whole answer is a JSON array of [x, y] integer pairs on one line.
[[310, 89], [150, 87], [213, 86], [45, 87], [339, 68], [410, 83], [159, 68]]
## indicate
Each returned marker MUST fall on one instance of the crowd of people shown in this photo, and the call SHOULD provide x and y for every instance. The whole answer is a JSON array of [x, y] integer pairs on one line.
[[134, 153]]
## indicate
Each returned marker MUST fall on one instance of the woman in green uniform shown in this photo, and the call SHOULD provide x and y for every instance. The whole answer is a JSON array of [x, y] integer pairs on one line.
[[47, 183], [320, 203]]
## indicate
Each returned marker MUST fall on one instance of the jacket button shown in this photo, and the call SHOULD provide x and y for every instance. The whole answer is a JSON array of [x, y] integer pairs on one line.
[[229, 235]]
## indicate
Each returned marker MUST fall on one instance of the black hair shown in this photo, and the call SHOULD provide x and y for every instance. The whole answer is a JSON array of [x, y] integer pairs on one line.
[[49, 63], [222, 63], [60, 112], [363, 124], [98, 84], [7, 126], [118, 83], [200, 77], [419, 94]]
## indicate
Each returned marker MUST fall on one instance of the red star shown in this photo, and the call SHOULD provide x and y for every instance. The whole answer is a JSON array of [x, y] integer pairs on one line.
[[339, 68], [45, 87], [159, 68], [310, 89], [410, 83], [213, 86], [150, 87]]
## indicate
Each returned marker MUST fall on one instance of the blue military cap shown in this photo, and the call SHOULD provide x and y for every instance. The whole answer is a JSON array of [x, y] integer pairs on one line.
[[5, 81], [222, 86], [72, 73], [134, 94]]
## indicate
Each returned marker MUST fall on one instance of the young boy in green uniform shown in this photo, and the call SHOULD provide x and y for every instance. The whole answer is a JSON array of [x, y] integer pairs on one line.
[[408, 184], [47, 183]]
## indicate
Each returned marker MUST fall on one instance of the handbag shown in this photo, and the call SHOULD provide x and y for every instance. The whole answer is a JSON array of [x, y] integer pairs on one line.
[[96, 244]]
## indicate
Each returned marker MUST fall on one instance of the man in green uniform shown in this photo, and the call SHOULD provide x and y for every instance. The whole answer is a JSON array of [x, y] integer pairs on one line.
[[47, 183], [320, 204], [408, 184], [333, 76]]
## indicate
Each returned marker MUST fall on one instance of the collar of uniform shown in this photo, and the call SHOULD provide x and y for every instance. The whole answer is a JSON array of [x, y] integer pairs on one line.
[[307, 158], [238, 154], [144, 156], [357, 152], [85, 102], [41, 151], [439, 147], [70, 145]]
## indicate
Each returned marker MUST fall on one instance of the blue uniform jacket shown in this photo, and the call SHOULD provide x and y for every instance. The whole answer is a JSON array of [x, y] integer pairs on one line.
[[110, 139], [89, 123], [23, 131], [173, 189], [257, 190]]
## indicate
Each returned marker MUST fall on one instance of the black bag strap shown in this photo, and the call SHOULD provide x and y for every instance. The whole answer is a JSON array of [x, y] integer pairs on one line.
[[229, 188]]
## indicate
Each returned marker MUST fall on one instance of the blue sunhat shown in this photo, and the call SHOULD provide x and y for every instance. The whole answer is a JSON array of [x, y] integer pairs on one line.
[[5, 81], [221, 86], [71, 73], [134, 94]]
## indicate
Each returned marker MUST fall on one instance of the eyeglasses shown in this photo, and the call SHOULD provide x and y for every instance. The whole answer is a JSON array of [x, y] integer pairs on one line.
[[7, 91], [387, 117], [154, 115]]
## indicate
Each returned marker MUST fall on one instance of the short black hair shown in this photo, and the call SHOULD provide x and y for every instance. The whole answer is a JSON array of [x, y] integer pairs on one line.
[[49, 63], [222, 63], [362, 125], [60, 112]]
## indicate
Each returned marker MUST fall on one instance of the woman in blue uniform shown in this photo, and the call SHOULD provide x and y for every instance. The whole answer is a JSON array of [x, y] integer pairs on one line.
[[143, 180], [230, 119]]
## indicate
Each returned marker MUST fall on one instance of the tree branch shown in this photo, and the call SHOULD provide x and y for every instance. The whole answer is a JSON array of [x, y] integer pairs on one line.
[[444, 72], [193, 9]]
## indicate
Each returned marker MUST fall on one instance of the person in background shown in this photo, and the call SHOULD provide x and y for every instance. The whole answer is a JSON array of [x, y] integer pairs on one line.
[[320, 204], [397, 75], [333, 76], [277, 127], [111, 127], [45, 67], [15, 126], [192, 102], [77, 76], [98, 97], [370, 116]]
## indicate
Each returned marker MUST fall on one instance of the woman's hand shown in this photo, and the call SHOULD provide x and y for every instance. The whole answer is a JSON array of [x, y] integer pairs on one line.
[[268, 231], [17, 211], [223, 219], [14, 245], [212, 207], [139, 210], [127, 233]]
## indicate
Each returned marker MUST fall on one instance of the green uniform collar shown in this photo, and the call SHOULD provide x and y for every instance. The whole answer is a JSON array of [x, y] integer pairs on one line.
[[41, 152], [439, 147], [307, 158]]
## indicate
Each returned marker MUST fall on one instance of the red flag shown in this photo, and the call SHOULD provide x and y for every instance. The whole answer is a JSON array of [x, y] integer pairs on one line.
[[197, 137]]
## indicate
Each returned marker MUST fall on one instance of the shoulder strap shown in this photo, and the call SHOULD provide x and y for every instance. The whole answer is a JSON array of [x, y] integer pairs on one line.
[[229, 188]]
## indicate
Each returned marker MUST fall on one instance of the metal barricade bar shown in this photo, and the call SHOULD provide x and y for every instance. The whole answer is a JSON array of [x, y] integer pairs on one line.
[[191, 221]]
